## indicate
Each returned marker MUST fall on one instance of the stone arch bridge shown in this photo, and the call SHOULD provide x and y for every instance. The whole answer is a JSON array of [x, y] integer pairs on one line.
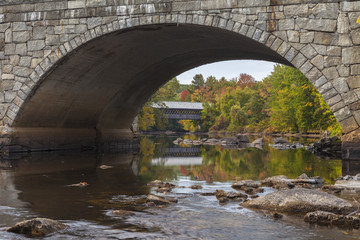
[[78, 71]]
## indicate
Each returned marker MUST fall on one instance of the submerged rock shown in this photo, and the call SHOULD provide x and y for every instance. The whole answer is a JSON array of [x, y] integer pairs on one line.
[[245, 183], [157, 200], [283, 182], [278, 182], [155, 183], [178, 141], [328, 218], [37, 227], [208, 194], [242, 138], [326, 147], [122, 213], [223, 196], [196, 187], [258, 143], [280, 140], [104, 167], [300, 200], [80, 184], [345, 185]]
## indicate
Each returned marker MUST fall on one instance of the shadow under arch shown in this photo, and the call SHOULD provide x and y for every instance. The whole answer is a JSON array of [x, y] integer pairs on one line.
[[103, 84]]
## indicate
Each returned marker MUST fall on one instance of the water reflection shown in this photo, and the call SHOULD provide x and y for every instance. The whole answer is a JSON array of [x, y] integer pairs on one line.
[[38, 186], [218, 163]]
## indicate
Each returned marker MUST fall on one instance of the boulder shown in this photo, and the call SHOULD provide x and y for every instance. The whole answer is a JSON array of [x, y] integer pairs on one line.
[[280, 140], [245, 183], [350, 184], [122, 213], [212, 141], [208, 194], [300, 200], [326, 147], [328, 218], [223, 196], [308, 182], [37, 227], [258, 143], [278, 182], [242, 138], [283, 182], [157, 200], [229, 141], [178, 141]]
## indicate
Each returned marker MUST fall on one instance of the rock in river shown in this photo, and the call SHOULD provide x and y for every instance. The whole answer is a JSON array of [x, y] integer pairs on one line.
[[37, 227], [245, 183], [156, 200], [328, 218], [300, 200]]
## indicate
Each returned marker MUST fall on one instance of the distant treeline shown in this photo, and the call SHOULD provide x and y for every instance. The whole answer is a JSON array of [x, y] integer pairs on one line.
[[285, 101]]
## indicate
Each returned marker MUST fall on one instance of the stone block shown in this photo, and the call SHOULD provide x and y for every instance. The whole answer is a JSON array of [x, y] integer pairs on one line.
[[313, 75], [355, 36], [21, 37], [334, 100], [296, 10], [354, 82], [350, 6], [318, 61], [19, 26], [350, 97], [22, 71], [35, 45], [343, 114], [321, 25], [330, 61], [299, 60], [308, 51], [348, 125], [329, 94], [21, 49], [324, 38], [39, 33], [286, 24], [217, 4], [340, 84], [344, 71], [321, 81], [52, 40], [331, 73], [355, 69], [326, 10], [343, 25], [76, 4], [293, 36]]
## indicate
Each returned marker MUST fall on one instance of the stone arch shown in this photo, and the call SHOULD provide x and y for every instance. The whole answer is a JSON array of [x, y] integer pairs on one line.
[[328, 80], [62, 52]]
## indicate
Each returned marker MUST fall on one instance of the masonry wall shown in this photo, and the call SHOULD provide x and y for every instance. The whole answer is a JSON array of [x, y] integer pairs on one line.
[[319, 37]]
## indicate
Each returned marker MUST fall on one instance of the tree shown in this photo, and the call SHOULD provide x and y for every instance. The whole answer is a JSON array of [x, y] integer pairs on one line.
[[185, 96], [245, 80], [196, 83]]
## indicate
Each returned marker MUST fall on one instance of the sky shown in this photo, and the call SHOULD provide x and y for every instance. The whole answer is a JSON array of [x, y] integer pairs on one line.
[[229, 69]]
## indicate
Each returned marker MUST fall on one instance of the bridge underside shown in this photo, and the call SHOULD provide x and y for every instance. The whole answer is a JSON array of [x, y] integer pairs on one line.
[[96, 91]]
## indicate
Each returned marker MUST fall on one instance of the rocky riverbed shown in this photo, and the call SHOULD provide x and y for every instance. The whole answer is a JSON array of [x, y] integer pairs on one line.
[[325, 147]]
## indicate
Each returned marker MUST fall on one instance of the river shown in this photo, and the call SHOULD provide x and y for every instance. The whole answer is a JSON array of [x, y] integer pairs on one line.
[[41, 185]]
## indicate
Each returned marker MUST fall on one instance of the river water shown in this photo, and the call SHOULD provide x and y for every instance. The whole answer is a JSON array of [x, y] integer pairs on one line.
[[41, 185]]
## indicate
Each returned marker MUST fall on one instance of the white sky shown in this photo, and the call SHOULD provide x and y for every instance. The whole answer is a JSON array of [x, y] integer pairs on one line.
[[229, 69]]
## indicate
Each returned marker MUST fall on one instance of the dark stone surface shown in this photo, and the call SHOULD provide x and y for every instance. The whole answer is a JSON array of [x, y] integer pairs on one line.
[[37, 227]]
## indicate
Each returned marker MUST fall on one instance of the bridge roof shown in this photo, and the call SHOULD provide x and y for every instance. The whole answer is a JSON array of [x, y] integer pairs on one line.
[[179, 105]]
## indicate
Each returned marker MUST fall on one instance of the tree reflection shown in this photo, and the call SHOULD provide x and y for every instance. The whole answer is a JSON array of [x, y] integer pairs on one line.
[[221, 164]]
